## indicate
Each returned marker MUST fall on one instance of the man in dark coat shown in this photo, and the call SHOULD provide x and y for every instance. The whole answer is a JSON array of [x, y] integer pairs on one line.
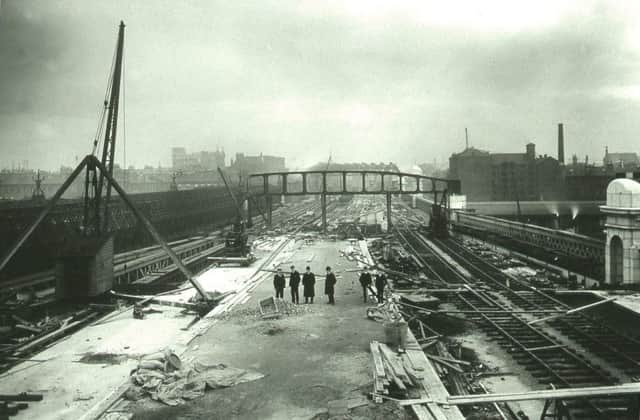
[[381, 282], [308, 283], [365, 282], [294, 282], [279, 283], [330, 282]]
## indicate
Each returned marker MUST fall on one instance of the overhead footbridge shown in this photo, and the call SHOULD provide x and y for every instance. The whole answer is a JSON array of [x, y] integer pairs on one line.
[[348, 182]]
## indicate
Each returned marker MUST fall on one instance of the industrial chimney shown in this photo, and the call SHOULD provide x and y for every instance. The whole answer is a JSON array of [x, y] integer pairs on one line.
[[561, 144]]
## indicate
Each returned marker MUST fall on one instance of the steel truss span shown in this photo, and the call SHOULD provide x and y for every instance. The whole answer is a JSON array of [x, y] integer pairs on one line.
[[348, 182]]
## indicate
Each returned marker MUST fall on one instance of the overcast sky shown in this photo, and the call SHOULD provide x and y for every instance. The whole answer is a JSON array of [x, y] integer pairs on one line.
[[364, 80]]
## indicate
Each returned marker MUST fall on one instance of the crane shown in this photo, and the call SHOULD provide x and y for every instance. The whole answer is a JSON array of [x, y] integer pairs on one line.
[[236, 239], [96, 215]]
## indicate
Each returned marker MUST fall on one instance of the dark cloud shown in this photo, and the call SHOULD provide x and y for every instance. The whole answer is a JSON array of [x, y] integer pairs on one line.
[[270, 77]]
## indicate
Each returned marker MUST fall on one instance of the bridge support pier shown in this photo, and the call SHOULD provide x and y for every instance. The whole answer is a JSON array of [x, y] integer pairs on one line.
[[388, 212], [323, 205], [269, 210]]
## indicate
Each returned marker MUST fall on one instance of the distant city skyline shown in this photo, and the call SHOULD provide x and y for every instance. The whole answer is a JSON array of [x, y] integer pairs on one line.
[[360, 80]]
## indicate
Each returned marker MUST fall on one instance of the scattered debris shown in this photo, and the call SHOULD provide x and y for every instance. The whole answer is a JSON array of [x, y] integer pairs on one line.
[[253, 313], [103, 358], [271, 329], [11, 404], [269, 308], [165, 378], [394, 374]]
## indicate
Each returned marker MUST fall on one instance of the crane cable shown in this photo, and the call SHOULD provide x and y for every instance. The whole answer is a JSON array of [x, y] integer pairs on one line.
[[124, 122], [105, 105]]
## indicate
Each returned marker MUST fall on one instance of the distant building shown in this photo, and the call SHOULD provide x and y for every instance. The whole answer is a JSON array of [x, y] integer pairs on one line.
[[356, 166], [507, 176], [619, 161], [198, 161], [19, 185], [178, 158], [474, 169], [244, 165], [588, 182]]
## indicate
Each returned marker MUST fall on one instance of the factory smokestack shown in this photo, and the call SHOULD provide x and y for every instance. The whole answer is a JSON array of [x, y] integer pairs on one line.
[[561, 143]]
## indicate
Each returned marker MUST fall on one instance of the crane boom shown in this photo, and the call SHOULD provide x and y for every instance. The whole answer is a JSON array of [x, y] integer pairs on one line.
[[96, 208], [109, 144], [233, 196]]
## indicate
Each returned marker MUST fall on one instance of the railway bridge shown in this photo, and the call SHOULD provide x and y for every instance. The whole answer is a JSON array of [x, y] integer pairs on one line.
[[347, 182]]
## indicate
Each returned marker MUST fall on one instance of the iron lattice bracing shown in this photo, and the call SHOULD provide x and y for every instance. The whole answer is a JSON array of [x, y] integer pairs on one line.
[[174, 213], [92, 161]]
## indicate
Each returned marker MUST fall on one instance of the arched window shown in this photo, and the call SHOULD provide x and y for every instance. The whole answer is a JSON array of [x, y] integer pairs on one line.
[[615, 252]]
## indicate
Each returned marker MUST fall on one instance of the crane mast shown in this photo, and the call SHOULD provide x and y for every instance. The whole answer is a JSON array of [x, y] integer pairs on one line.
[[96, 207]]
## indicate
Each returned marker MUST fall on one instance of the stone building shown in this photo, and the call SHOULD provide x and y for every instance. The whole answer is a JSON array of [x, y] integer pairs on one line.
[[622, 252]]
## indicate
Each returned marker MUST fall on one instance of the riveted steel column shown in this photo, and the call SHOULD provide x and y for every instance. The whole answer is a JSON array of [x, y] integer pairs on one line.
[[388, 212], [304, 183], [284, 181], [364, 187], [323, 202], [435, 192], [344, 182], [269, 209]]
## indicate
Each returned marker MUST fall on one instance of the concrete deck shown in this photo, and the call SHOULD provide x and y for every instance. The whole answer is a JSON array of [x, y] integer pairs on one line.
[[318, 354], [80, 372]]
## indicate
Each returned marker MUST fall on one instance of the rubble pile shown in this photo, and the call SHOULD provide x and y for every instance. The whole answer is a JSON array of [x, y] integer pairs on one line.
[[253, 313], [164, 378]]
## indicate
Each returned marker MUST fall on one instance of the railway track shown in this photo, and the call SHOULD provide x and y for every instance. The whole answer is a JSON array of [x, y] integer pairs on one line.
[[131, 266], [617, 349], [141, 268], [560, 361]]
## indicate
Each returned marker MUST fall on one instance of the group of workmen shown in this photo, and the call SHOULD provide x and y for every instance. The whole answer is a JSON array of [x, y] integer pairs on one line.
[[366, 282], [309, 282]]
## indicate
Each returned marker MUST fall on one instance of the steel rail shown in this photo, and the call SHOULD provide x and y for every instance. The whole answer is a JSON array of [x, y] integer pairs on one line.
[[574, 358], [594, 340]]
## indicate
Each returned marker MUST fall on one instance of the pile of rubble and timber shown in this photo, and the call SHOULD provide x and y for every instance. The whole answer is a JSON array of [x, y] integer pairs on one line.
[[21, 337], [509, 264], [164, 378], [12, 404]]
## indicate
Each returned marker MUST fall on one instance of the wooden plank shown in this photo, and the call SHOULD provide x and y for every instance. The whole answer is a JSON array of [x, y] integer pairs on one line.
[[408, 367], [448, 359], [421, 412], [434, 389], [52, 335], [445, 363], [433, 332], [377, 359], [572, 311], [398, 369], [29, 328], [392, 377], [427, 345], [549, 394], [414, 401], [555, 346]]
